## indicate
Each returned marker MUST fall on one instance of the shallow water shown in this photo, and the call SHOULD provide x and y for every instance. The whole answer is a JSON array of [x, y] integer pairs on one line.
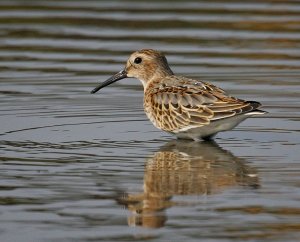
[[81, 167]]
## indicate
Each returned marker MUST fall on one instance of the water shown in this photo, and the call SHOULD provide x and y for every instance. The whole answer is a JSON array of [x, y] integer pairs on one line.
[[81, 167]]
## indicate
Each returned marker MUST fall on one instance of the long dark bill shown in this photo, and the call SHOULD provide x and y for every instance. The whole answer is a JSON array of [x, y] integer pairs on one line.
[[120, 75]]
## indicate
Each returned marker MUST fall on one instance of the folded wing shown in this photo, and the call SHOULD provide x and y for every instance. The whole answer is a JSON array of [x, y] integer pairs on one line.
[[176, 108]]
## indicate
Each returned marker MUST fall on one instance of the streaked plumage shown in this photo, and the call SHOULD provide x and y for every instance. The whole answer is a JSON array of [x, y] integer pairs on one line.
[[188, 108]]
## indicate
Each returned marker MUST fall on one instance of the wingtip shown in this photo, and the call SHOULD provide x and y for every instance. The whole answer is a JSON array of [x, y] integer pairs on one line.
[[255, 111], [254, 104]]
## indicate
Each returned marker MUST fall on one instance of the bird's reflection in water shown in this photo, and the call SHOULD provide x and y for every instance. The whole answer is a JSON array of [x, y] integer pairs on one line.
[[184, 168]]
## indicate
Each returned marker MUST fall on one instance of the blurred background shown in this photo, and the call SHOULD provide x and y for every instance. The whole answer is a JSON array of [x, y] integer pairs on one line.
[[76, 166]]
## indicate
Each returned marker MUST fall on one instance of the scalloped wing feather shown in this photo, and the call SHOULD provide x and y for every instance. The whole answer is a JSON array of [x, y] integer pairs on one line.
[[188, 105]]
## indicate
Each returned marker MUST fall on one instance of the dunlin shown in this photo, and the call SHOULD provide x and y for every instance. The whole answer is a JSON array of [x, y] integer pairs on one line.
[[188, 108]]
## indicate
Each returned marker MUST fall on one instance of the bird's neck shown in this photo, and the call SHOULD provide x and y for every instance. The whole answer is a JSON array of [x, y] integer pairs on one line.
[[157, 77]]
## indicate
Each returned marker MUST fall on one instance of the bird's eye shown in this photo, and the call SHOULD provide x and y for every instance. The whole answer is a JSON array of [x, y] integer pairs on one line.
[[137, 60]]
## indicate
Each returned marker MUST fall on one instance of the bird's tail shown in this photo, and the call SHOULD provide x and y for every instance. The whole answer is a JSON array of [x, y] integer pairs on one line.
[[255, 111]]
